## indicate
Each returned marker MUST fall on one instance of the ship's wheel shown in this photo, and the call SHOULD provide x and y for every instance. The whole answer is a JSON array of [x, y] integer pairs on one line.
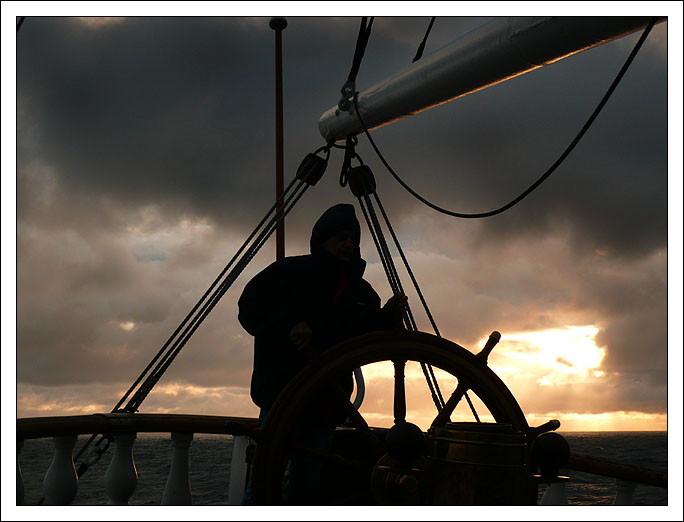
[[365, 451]]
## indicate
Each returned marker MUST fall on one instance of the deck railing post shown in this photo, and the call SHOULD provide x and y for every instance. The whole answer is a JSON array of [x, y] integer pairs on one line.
[[20, 479], [60, 484], [624, 496], [555, 495], [238, 470], [177, 490], [121, 477]]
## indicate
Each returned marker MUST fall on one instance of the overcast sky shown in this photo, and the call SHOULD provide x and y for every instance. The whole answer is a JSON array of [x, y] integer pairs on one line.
[[145, 156]]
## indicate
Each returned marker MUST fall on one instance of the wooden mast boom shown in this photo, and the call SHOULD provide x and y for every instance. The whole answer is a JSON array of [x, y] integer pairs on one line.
[[496, 51]]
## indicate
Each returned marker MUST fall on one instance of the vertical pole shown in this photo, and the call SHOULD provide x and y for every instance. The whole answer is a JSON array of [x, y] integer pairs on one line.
[[278, 24], [399, 392]]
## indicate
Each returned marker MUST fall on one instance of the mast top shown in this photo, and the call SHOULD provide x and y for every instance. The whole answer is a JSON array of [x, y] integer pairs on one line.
[[277, 23]]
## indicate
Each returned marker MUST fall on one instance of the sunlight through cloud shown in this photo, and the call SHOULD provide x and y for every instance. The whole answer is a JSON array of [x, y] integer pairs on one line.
[[127, 326], [571, 349]]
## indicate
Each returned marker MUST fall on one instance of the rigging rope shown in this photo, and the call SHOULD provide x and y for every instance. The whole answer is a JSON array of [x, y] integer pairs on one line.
[[199, 302], [395, 285], [163, 365], [420, 295], [543, 178], [427, 368], [362, 184], [308, 174], [361, 43], [168, 356], [362, 193], [421, 47], [349, 87]]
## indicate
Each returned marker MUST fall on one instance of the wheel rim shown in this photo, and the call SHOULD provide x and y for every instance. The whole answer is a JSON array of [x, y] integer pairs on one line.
[[357, 352]]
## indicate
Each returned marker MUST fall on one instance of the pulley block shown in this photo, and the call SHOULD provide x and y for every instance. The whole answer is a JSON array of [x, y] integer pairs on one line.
[[312, 167], [361, 180]]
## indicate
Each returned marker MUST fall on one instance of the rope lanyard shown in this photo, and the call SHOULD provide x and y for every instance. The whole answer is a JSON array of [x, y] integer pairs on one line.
[[362, 185], [544, 176], [349, 87], [208, 306], [363, 189], [421, 47], [308, 174]]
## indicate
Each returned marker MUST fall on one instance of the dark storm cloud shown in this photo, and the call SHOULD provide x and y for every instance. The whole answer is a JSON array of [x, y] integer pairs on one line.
[[172, 111], [478, 153], [165, 110], [141, 123]]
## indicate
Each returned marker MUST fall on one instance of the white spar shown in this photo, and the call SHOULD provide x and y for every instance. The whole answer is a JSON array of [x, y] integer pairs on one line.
[[498, 50]]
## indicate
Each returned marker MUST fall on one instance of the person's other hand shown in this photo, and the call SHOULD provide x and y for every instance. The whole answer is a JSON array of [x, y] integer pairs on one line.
[[396, 305], [301, 334]]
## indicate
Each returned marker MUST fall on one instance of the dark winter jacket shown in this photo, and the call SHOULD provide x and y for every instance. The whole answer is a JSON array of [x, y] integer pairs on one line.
[[305, 288]]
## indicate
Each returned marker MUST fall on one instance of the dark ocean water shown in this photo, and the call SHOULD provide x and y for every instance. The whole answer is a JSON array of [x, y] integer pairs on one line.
[[641, 448], [210, 457]]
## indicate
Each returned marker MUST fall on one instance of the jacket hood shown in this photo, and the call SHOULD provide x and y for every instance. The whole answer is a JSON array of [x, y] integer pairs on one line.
[[335, 219]]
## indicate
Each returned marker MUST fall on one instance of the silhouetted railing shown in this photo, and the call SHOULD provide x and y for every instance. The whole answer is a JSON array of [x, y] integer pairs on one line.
[[60, 484]]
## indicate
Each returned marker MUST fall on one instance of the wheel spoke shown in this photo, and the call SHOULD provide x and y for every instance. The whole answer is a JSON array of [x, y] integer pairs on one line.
[[362, 445], [399, 392], [356, 418], [445, 415], [352, 413]]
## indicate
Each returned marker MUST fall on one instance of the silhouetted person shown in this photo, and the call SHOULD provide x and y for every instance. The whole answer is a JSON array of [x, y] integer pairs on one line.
[[309, 303]]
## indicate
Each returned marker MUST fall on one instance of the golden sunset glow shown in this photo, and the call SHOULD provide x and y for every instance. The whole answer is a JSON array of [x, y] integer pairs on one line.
[[529, 363], [565, 350], [610, 421]]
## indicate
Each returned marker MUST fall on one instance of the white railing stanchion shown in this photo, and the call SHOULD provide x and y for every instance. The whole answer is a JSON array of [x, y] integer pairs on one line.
[[121, 477], [60, 484], [624, 496], [177, 490], [555, 495], [238, 470], [20, 479]]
